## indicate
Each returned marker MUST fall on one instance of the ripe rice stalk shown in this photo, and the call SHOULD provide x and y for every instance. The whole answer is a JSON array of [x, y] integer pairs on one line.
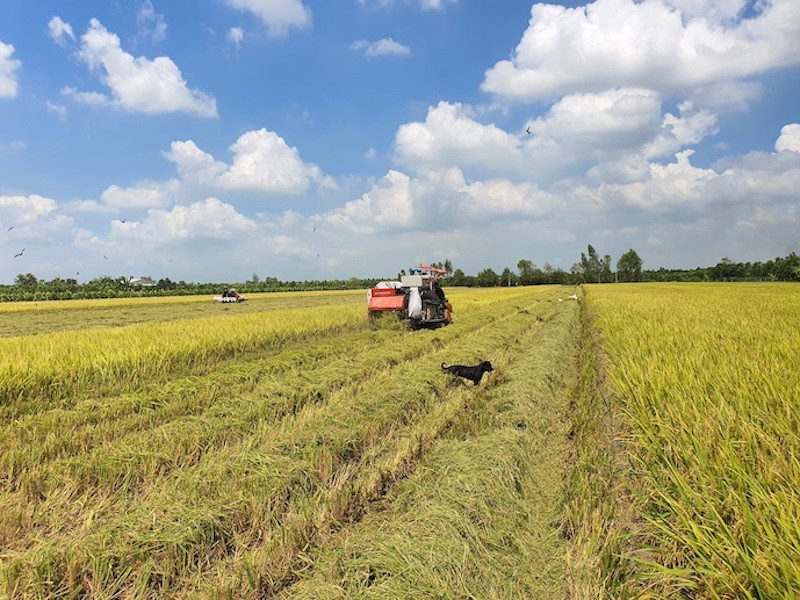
[[706, 379]]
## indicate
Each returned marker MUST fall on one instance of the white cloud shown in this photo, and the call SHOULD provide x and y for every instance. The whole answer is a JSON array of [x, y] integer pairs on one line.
[[624, 43], [621, 118], [450, 136], [88, 98], [679, 131], [235, 36], [59, 31], [57, 109], [21, 211], [151, 24], [789, 139], [137, 84], [766, 218], [383, 47], [142, 195], [439, 199], [578, 131], [674, 184], [262, 162], [425, 5], [8, 68], [387, 205], [728, 95], [278, 15], [194, 165], [435, 4], [207, 219], [500, 197]]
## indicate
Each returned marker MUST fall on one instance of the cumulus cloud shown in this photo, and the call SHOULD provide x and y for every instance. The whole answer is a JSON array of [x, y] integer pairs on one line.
[[439, 199], [194, 165], [207, 219], [620, 118], [383, 47], [277, 15], [578, 132], [26, 209], [262, 162], [624, 43], [789, 139], [450, 131], [136, 83], [142, 195], [35, 220], [387, 205], [688, 128], [8, 68], [59, 31]]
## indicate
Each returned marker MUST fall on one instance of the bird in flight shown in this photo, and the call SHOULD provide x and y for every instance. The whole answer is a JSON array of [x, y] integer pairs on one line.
[[528, 130], [10, 228], [20, 253]]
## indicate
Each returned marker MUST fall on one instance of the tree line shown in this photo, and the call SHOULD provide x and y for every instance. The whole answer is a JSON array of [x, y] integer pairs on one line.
[[591, 268]]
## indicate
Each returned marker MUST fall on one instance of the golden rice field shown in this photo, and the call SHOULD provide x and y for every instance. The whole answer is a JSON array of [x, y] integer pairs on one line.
[[708, 388], [283, 450], [639, 443]]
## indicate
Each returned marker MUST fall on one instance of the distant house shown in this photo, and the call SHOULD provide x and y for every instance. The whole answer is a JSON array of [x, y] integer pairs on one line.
[[141, 281]]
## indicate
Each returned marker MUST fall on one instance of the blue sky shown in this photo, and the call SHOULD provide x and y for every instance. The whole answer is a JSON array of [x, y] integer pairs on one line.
[[210, 140]]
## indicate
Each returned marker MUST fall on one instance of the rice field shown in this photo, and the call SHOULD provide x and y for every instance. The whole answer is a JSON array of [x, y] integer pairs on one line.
[[708, 390], [639, 443], [241, 454]]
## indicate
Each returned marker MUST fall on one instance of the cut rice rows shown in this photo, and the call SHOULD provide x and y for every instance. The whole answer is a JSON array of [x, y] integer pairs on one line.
[[219, 467]]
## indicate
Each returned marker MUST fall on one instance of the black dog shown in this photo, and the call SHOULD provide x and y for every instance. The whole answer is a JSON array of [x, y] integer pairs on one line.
[[473, 373]]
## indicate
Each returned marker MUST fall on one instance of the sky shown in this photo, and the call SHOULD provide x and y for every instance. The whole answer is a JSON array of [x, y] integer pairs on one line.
[[214, 140]]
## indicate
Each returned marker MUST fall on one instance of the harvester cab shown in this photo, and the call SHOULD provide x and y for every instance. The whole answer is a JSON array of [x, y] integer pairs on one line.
[[416, 299]]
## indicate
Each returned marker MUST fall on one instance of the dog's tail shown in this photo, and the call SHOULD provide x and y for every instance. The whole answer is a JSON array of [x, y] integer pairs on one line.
[[444, 367]]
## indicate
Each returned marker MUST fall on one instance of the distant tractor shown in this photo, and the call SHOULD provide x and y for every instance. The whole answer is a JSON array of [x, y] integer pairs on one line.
[[413, 299]]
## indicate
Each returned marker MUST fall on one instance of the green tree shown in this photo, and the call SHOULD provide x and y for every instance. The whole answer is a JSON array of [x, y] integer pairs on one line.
[[508, 277], [487, 278], [590, 266], [606, 275], [629, 266], [26, 280], [525, 269], [459, 278]]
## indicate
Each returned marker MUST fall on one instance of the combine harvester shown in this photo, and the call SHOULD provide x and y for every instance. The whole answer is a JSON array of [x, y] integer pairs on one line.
[[412, 299], [229, 295]]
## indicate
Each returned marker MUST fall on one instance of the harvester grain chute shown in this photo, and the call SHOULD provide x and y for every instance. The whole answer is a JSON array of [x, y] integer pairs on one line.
[[416, 299]]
